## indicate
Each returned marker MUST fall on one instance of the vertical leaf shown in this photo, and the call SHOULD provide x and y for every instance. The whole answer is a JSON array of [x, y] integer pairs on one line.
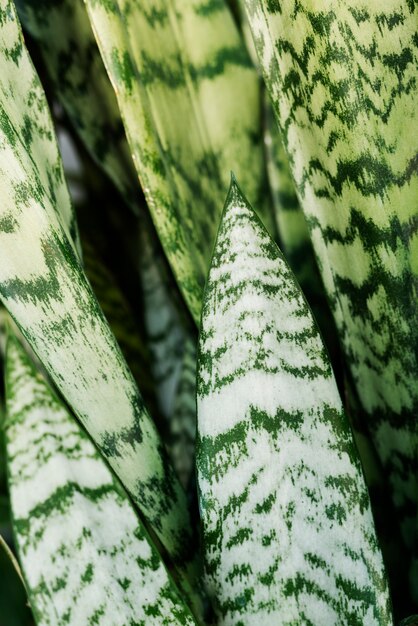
[[182, 426], [288, 531], [178, 102], [80, 81], [44, 288], [342, 78], [75, 68]]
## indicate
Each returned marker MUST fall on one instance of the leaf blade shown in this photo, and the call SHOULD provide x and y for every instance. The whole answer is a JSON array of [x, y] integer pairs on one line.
[[44, 288], [177, 103], [66, 502], [279, 479], [347, 129]]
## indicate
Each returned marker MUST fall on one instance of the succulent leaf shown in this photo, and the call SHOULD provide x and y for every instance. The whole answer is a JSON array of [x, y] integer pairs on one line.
[[288, 531]]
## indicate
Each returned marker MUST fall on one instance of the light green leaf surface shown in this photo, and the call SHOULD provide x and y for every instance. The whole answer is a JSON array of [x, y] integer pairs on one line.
[[87, 558], [291, 222], [288, 531], [293, 232], [43, 287], [343, 80], [178, 100], [80, 81]]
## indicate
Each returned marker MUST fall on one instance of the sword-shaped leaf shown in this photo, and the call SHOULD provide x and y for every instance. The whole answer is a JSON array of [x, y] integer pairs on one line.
[[86, 557], [82, 85], [44, 288], [343, 80], [178, 100], [288, 531], [293, 232]]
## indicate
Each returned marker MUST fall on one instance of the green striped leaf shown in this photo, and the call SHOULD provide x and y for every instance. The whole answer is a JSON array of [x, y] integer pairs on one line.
[[288, 530], [165, 330], [178, 102], [342, 78], [44, 288], [291, 223], [293, 232], [87, 558], [81, 83]]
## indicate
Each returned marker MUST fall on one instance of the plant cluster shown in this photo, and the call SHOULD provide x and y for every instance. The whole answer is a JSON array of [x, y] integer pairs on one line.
[[210, 408]]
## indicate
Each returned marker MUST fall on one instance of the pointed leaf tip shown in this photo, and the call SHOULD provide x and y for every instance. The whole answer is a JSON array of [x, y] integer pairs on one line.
[[232, 192], [275, 456]]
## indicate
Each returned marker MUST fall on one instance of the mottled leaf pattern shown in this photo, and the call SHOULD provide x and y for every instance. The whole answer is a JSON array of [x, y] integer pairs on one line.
[[86, 557], [294, 238], [291, 222], [288, 532], [178, 102], [43, 287], [165, 331], [80, 81], [343, 80]]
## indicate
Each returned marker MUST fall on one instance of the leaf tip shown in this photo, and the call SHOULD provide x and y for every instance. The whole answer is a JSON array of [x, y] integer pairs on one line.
[[234, 190]]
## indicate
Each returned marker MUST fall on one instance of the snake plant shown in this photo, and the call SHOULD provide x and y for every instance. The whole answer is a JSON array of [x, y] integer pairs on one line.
[[209, 414]]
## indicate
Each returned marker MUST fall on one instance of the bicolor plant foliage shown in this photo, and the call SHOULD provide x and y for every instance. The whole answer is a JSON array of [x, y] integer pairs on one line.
[[177, 447]]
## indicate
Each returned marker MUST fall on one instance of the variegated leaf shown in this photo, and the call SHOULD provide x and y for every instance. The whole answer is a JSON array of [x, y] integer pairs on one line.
[[178, 101], [44, 288], [293, 233], [80, 81], [172, 344], [87, 558], [288, 532], [297, 246], [342, 77], [291, 222], [166, 334]]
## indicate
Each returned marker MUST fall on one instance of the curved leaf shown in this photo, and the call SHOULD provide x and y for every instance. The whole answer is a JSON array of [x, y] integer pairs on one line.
[[342, 77], [178, 102], [86, 556], [44, 288], [82, 85], [288, 531]]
